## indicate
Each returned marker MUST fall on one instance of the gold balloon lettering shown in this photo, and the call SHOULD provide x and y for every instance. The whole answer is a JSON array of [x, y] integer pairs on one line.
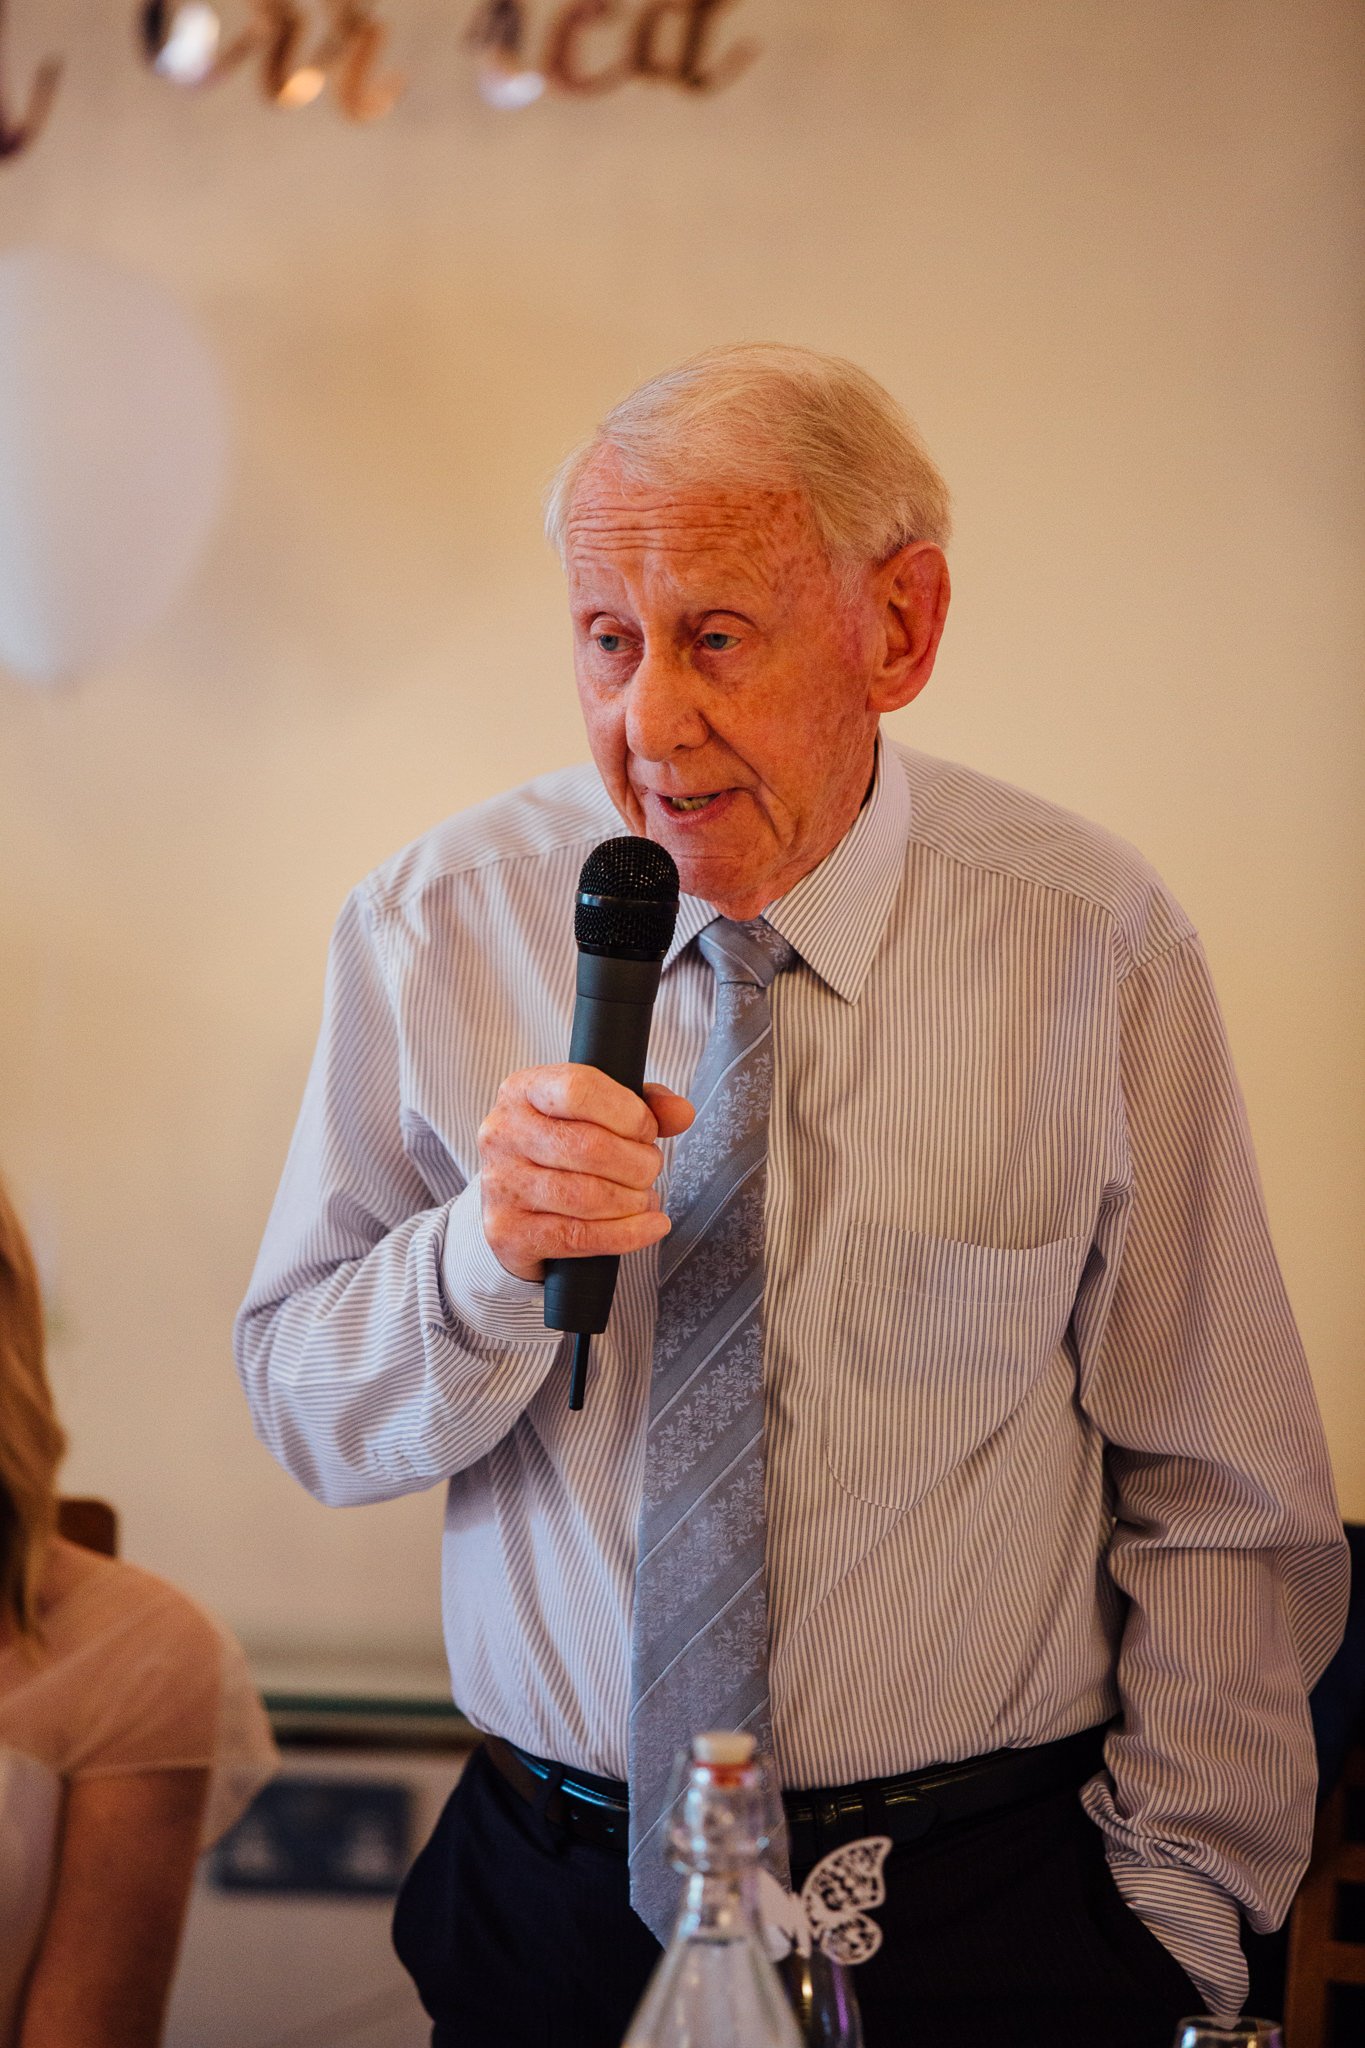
[[352, 54], [16, 136], [664, 40], [692, 21], [348, 54], [500, 26], [560, 62]]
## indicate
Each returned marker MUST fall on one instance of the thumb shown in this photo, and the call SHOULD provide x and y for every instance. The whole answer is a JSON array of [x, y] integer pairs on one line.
[[672, 1113]]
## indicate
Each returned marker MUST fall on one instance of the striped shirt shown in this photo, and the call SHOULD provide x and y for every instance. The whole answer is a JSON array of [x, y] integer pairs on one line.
[[1041, 1444]]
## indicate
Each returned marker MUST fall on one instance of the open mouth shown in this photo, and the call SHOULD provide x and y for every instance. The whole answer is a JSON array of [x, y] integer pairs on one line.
[[690, 803]]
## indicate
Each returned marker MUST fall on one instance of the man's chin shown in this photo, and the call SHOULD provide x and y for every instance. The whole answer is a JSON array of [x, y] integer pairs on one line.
[[723, 884], [716, 874]]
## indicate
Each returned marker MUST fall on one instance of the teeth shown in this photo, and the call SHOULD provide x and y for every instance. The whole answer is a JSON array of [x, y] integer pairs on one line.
[[689, 803]]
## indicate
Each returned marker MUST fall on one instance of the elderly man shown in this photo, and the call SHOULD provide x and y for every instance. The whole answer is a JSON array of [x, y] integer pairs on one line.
[[950, 1431]]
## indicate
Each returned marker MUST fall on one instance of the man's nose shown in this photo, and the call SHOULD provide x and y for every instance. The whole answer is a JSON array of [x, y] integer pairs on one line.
[[662, 712]]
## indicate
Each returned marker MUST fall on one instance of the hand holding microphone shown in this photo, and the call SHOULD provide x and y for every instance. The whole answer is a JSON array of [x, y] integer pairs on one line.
[[570, 1154], [569, 1160]]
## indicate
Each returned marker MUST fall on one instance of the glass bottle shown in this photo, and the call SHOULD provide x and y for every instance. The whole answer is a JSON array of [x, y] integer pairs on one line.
[[823, 1999], [1202, 2032], [714, 1986]]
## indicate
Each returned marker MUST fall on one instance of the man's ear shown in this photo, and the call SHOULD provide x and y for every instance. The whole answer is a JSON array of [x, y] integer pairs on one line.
[[912, 592]]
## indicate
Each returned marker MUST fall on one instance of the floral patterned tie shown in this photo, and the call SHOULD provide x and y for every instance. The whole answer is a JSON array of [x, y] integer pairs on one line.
[[699, 1652]]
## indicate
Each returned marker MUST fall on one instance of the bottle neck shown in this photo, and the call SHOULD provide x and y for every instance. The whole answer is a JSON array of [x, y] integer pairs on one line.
[[719, 1906]]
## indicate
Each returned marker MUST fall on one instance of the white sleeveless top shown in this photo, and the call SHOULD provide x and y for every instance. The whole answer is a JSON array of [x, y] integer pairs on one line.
[[131, 1676]]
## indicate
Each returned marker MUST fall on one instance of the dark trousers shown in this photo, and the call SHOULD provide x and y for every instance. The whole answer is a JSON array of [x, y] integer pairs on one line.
[[1003, 1931]]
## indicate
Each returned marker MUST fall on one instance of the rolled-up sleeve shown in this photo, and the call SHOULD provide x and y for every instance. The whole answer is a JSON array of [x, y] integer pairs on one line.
[[380, 1345], [1226, 1541]]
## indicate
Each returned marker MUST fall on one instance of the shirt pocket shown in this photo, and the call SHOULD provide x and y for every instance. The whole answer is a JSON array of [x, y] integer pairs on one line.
[[936, 1344]]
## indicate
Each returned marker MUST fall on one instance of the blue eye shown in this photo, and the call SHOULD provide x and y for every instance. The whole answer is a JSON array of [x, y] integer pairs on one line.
[[610, 643], [716, 643]]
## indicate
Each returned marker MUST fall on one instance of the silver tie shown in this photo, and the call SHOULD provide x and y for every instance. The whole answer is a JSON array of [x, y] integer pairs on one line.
[[699, 1651]]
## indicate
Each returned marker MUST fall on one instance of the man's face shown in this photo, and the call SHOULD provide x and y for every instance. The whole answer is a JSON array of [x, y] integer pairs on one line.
[[724, 678]]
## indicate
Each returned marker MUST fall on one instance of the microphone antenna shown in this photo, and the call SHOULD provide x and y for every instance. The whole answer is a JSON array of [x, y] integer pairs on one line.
[[578, 1371]]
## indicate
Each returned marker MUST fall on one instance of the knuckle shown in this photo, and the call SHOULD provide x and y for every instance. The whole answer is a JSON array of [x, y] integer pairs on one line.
[[576, 1236], [572, 1143], [554, 1087], [645, 1167]]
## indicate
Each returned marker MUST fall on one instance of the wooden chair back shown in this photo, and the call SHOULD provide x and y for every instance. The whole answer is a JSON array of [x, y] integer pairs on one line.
[[91, 1523], [1324, 1997]]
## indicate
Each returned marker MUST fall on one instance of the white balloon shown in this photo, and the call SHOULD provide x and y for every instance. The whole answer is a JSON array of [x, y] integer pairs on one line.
[[113, 458]]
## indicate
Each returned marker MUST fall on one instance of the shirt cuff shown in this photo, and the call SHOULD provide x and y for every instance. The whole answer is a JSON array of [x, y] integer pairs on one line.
[[479, 1292], [1195, 1921]]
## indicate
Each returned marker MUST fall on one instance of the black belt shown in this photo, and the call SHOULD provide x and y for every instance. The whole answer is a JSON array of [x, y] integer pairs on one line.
[[592, 1809]]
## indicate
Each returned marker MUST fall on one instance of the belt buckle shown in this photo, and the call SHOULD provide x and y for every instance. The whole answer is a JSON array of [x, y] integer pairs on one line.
[[827, 1813]]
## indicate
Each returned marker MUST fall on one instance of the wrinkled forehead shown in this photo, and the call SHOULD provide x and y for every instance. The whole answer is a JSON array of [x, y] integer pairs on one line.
[[683, 529]]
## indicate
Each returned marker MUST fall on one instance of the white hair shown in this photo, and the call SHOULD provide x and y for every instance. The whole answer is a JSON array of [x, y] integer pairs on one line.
[[766, 416]]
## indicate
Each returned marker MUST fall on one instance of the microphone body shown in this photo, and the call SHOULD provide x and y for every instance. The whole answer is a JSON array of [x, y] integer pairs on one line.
[[611, 1020], [624, 915]]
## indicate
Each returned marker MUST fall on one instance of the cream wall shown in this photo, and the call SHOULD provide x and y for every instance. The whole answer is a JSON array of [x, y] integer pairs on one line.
[[1107, 254]]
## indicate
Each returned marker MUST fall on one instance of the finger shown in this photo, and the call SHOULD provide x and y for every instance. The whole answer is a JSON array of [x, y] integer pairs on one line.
[[583, 1148], [672, 1113], [578, 1237], [586, 1095], [582, 1194]]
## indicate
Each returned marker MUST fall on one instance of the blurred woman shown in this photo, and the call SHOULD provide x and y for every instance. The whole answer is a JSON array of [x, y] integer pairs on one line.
[[130, 1738]]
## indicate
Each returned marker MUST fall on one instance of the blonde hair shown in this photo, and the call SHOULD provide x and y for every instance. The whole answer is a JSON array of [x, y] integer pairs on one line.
[[766, 416], [31, 1439]]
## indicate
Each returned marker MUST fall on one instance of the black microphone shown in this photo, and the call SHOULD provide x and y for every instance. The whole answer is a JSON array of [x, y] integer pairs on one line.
[[624, 913]]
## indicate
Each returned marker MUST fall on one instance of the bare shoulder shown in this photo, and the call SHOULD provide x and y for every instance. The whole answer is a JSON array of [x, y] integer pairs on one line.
[[88, 1597]]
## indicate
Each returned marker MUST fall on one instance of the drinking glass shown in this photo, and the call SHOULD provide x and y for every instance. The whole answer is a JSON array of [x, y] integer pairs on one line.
[[1202, 2032]]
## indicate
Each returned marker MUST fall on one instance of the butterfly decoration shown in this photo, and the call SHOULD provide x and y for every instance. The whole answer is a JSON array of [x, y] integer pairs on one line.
[[832, 1910]]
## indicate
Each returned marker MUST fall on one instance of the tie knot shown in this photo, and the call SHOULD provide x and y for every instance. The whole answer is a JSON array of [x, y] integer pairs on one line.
[[751, 952]]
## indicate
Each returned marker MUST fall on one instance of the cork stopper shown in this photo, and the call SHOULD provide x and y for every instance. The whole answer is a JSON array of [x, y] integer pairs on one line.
[[719, 1746]]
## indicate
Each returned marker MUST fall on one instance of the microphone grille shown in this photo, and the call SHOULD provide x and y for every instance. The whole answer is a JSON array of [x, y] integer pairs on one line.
[[631, 867], [627, 899]]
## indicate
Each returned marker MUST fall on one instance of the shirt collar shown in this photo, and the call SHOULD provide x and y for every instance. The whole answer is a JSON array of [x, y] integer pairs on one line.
[[835, 915]]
